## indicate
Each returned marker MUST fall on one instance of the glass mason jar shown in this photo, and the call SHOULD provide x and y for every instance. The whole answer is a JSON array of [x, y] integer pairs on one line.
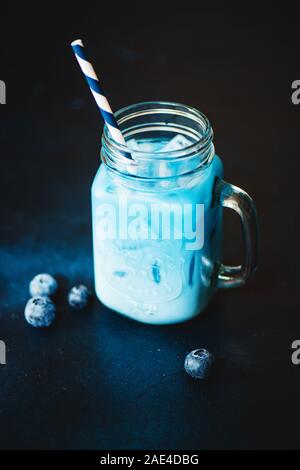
[[157, 216]]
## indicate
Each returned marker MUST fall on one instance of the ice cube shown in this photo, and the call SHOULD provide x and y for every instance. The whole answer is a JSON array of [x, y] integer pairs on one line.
[[132, 168], [146, 147], [177, 143], [133, 145], [164, 170]]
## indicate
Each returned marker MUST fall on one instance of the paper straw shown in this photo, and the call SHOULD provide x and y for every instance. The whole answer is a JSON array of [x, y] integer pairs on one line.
[[93, 82]]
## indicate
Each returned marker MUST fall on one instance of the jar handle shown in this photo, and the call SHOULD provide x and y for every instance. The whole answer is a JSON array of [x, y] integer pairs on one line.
[[235, 198]]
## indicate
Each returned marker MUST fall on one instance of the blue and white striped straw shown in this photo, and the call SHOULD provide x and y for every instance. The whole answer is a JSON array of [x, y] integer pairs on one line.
[[93, 82]]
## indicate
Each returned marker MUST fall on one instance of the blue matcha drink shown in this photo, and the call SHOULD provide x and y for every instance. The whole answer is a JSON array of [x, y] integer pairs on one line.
[[157, 210], [157, 234]]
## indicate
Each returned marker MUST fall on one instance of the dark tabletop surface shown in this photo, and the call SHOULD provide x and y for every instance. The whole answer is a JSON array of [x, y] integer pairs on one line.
[[96, 380]]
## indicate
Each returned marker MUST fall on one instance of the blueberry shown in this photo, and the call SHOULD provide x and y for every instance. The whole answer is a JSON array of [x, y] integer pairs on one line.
[[40, 311], [79, 296], [198, 362], [43, 285]]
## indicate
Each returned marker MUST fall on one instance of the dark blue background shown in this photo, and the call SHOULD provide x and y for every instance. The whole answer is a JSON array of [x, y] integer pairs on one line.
[[96, 380]]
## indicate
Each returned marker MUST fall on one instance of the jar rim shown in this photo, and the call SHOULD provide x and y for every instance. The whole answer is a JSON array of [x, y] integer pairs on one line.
[[128, 112]]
